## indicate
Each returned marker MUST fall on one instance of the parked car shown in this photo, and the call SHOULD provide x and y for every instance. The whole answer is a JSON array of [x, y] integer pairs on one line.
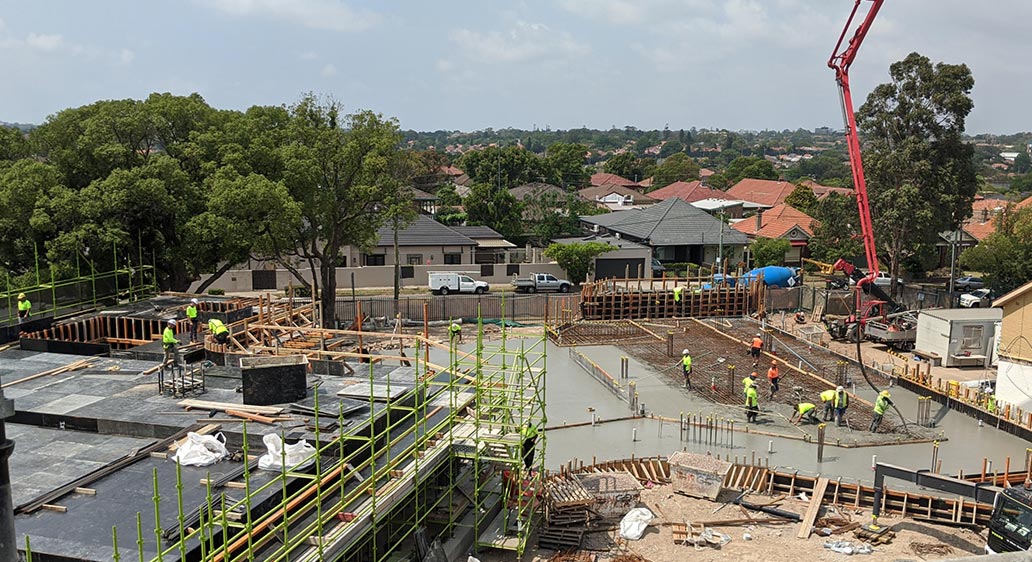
[[658, 269], [540, 282], [967, 284], [982, 298], [447, 282]]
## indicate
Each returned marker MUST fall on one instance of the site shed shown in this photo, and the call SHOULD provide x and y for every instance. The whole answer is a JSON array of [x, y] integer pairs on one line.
[[957, 337]]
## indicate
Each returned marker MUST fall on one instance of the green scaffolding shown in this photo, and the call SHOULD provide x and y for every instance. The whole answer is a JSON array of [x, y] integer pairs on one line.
[[446, 457], [53, 295]]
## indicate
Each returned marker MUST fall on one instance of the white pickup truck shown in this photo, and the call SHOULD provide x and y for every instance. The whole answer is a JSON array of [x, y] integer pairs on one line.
[[447, 282]]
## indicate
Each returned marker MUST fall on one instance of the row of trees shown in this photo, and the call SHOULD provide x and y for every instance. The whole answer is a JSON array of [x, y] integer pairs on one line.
[[198, 189]]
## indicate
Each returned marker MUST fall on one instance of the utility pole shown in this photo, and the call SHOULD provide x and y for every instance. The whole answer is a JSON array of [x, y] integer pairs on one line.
[[720, 244], [953, 262]]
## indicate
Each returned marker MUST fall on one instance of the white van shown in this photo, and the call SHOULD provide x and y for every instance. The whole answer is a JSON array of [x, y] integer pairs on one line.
[[443, 283]]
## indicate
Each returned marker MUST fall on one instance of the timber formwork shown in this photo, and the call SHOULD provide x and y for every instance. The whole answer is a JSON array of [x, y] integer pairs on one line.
[[447, 454], [761, 478], [698, 297]]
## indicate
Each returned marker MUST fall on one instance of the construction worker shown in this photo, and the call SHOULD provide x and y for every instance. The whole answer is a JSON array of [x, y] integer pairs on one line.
[[455, 332], [749, 382], [991, 404], [191, 315], [805, 410], [24, 308], [828, 400], [841, 403], [752, 403], [686, 366], [756, 347], [880, 405], [773, 375], [677, 294], [528, 433], [219, 331], [170, 343]]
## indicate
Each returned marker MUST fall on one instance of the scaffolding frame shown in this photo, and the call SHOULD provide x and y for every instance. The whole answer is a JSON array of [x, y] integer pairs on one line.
[[372, 488]]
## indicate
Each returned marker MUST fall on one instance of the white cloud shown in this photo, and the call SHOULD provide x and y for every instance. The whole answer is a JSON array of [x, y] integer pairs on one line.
[[44, 41], [444, 65], [331, 15], [125, 56], [308, 55], [524, 41], [328, 71]]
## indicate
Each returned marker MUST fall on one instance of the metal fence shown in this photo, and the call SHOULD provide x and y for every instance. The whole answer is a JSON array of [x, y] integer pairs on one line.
[[489, 307], [842, 301]]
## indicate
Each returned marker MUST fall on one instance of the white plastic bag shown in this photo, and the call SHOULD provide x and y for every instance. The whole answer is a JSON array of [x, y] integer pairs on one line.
[[201, 450], [298, 455], [633, 525]]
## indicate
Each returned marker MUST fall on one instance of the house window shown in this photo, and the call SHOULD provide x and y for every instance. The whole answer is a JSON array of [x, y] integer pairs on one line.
[[414, 259], [374, 259], [972, 339], [453, 259]]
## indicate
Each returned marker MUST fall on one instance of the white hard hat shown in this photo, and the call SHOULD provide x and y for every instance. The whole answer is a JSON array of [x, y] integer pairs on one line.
[[193, 301], [839, 389], [685, 352], [758, 335], [171, 322]]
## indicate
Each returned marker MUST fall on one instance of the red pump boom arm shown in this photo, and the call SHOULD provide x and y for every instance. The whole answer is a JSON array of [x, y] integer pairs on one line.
[[840, 61]]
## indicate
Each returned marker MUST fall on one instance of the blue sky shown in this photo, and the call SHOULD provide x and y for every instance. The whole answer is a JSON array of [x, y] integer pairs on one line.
[[737, 64]]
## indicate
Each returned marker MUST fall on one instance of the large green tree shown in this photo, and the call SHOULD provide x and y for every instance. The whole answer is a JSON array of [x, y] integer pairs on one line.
[[835, 235], [577, 259], [495, 207], [504, 167], [628, 165], [769, 251], [803, 199], [338, 167], [679, 167], [921, 175], [566, 164]]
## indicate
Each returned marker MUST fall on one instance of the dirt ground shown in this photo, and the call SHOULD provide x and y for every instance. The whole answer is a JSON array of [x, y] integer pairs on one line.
[[767, 542]]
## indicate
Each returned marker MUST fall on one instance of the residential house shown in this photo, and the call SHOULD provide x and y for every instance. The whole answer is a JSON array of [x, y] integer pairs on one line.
[[615, 197], [689, 191], [760, 193], [705, 173], [425, 203], [537, 191], [492, 247], [604, 178], [822, 191], [675, 230], [423, 241], [628, 260], [461, 180], [781, 221], [975, 229], [1014, 349]]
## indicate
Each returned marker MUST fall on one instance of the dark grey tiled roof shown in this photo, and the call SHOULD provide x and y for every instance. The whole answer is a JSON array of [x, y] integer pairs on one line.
[[673, 222], [423, 231], [622, 243], [535, 189], [477, 232]]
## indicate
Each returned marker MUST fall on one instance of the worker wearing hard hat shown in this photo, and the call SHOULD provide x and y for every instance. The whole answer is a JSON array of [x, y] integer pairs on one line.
[[219, 331], [170, 343], [773, 376], [24, 308], [749, 382], [828, 399], [686, 366], [455, 332], [755, 347], [841, 403], [880, 405], [752, 403], [191, 315]]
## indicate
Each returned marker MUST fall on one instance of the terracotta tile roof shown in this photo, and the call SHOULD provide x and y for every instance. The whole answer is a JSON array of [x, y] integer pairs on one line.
[[822, 191], [593, 193], [603, 178], [983, 216], [776, 222], [690, 191], [768, 193], [705, 173], [1024, 203], [647, 182], [452, 171]]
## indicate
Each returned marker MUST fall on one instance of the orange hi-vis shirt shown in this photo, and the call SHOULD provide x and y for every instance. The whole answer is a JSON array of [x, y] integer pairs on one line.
[[757, 343], [773, 373]]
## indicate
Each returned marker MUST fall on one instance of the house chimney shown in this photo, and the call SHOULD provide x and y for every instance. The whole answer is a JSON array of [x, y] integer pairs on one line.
[[759, 219], [985, 215]]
